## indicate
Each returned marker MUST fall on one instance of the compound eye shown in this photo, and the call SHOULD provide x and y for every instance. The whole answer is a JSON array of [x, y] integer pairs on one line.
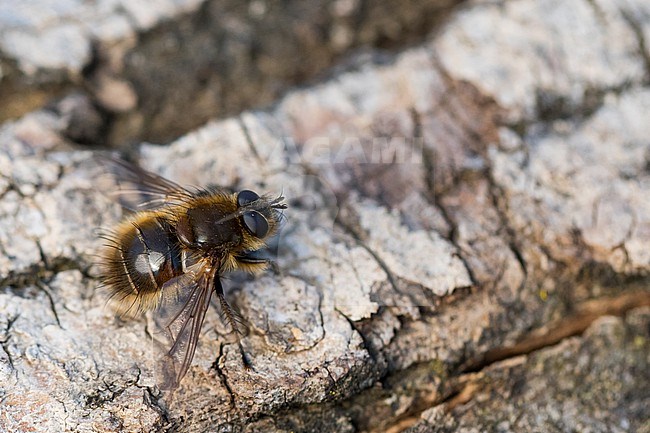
[[256, 224], [246, 196]]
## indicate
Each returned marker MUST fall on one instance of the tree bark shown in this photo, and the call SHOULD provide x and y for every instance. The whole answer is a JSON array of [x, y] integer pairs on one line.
[[466, 246]]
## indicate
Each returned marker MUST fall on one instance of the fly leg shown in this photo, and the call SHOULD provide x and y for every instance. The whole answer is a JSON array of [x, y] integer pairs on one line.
[[234, 319]]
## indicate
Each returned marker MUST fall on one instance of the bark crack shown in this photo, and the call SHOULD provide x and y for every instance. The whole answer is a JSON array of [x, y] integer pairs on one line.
[[5, 340], [222, 376], [435, 199], [44, 271], [573, 325], [644, 50], [155, 402], [497, 195], [368, 347], [382, 264], [48, 293]]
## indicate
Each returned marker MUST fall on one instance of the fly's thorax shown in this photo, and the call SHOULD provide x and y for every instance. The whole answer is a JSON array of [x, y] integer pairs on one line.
[[201, 224]]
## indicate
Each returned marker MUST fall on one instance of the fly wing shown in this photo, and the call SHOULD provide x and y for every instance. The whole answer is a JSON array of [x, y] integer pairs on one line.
[[139, 189], [179, 318]]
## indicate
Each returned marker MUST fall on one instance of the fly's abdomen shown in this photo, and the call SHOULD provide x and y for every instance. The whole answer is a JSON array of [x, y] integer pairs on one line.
[[141, 257]]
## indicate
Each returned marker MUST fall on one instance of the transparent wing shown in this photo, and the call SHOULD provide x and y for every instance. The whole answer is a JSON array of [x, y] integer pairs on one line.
[[179, 318], [138, 189]]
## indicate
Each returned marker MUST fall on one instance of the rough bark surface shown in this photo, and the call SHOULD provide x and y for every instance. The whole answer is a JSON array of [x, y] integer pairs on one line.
[[466, 247], [142, 62]]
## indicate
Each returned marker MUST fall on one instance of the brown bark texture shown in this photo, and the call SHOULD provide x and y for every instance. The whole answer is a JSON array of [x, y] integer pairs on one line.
[[467, 243]]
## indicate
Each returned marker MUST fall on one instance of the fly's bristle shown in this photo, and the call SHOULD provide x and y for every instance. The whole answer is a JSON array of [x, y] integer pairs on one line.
[[252, 268], [129, 305]]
